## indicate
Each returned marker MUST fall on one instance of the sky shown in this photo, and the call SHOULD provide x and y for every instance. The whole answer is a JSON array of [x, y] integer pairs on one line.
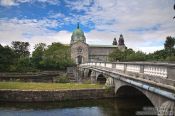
[[145, 24]]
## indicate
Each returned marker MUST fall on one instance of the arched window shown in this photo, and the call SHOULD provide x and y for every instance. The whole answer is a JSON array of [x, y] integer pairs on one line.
[[79, 60]]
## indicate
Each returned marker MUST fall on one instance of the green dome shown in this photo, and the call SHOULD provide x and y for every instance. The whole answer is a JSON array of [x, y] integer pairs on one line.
[[78, 35]]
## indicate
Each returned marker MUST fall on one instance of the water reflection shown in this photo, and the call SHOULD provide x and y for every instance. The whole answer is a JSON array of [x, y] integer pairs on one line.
[[102, 107]]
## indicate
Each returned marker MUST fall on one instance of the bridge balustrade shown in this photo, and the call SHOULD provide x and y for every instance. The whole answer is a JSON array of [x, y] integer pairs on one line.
[[156, 71], [108, 65], [159, 72], [119, 67], [133, 68]]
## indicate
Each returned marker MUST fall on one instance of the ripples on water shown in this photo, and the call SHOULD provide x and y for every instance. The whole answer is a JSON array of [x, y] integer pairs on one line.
[[102, 107]]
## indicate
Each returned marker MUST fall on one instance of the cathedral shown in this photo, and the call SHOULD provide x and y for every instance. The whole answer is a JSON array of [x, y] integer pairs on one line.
[[81, 52]]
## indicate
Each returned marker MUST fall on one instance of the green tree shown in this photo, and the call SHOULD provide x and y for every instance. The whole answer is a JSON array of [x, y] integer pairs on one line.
[[127, 55], [57, 56], [23, 64], [117, 55], [21, 48], [7, 58], [159, 55], [136, 56], [37, 55], [169, 45]]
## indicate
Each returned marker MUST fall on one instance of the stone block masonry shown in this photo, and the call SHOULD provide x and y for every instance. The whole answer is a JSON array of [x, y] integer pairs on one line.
[[56, 95]]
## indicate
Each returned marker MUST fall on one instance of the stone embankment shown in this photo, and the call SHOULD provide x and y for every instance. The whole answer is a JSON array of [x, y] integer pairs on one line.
[[53, 95], [44, 76]]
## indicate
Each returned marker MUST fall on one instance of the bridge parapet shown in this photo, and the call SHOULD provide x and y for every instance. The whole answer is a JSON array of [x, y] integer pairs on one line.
[[158, 72]]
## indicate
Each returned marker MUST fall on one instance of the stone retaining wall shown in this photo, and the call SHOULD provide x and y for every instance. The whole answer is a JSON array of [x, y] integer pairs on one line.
[[59, 95], [44, 76]]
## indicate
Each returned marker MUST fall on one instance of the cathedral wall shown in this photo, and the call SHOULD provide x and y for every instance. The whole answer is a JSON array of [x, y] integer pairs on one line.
[[100, 53], [76, 51]]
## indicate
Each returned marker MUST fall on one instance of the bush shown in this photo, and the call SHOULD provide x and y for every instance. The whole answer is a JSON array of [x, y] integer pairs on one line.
[[87, 81], [63, 79], [108, 89], [170, 58]]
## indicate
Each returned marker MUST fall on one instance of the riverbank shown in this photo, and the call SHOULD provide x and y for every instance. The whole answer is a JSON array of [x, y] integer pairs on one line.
[[44, 92], [47, 86], [54, 95]]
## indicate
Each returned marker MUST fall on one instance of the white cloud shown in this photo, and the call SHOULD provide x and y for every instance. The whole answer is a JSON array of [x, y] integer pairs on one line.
[[33, 31], [17, 2], [78, 4], [53, 2], [7, 3], [148, 49], [36, 31], [61, 36], [56, 15]]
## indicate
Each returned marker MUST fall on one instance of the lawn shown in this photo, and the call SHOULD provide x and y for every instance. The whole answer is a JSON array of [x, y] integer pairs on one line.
[[47, 86]]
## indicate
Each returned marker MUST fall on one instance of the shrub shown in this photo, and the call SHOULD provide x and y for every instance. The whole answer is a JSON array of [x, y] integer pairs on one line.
[[63, 79], [108, 89], [170, 58], [87, 81]]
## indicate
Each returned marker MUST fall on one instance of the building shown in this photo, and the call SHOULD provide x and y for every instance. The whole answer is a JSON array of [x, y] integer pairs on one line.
[[81, 52]]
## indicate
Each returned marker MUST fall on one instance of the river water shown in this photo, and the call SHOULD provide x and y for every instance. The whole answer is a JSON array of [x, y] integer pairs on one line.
[[101, 107]]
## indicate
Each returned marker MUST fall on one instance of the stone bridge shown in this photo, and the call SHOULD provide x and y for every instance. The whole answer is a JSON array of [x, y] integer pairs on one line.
[[155, 81]]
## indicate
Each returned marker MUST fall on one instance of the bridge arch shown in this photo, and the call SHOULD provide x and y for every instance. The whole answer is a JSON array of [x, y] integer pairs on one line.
[[130, 91], [89, 73], [101, 79], [121, 89]]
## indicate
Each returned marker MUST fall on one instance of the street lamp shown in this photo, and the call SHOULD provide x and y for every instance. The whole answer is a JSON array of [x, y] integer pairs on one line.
[[174, 9]]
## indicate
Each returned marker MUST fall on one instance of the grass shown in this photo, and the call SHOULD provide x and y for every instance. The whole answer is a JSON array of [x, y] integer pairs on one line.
[[47, 86]]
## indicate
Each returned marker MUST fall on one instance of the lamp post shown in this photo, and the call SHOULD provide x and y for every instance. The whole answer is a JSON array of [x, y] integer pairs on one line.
[[174, 9]]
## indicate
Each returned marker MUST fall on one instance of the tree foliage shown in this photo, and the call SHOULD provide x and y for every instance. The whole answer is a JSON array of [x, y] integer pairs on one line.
[[17, 57], [127, 55], [57, 56], [136, 56], [7, 58], [38, 54], [116, 55], [169, 45], [21, 48]]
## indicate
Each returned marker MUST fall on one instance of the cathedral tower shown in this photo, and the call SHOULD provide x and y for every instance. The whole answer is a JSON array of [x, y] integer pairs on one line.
[[121, 43], [79, 48]]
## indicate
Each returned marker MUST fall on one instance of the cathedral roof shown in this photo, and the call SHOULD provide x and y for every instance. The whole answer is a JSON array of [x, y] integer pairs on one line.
[[78, 35], [103, 46]]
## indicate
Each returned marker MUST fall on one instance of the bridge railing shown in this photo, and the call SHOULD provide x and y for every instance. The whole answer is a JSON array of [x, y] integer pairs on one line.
[[158, 72]]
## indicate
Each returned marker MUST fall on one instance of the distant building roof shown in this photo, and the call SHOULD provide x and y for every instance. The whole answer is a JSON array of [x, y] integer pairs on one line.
[[103, 46]]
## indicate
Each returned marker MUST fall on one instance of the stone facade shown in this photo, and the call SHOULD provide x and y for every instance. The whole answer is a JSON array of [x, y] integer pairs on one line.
[[100, 52], [81, 52]]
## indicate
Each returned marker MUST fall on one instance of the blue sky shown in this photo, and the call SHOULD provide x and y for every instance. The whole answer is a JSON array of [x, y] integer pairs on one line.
[[144, 23]]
